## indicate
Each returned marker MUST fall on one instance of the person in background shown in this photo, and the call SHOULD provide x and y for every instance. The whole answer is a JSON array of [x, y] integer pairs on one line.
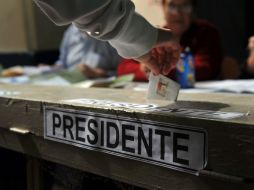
[[117, 22], [200, 36], [250, 60], [94, 58]]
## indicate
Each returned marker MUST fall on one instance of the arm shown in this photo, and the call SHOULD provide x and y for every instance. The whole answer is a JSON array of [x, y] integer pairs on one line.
[[91, 72], [111, 20], [116, 21]]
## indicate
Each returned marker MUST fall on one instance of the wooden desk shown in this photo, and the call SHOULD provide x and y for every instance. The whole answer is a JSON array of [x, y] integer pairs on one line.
[[230, 142]]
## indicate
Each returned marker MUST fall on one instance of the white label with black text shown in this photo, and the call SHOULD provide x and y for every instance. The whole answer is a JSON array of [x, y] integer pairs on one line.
[[172, 146]]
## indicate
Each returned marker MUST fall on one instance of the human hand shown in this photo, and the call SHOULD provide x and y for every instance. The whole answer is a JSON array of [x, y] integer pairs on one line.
[[250, 60], [251, 44], [91, 72], [43, 65], [144, 69], [13, 71], [164, 55]]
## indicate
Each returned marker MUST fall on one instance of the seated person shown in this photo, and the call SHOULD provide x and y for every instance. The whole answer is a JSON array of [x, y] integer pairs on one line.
[[201, 37], [94, 58], [250, 61]]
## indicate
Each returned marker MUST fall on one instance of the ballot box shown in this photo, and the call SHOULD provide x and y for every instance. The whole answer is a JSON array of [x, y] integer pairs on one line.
[[202, 141]]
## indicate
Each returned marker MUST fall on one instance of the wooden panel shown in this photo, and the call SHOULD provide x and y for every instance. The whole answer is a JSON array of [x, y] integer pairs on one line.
[[12, 30], [46, 34], [128, 171], [35, 180], [230, 142], [25, 28]]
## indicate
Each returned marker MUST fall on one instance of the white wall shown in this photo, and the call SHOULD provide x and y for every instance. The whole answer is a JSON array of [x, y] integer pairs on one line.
[[151, 10]]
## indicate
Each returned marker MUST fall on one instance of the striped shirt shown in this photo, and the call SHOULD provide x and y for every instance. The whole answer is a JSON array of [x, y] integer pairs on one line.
[[77, 48]]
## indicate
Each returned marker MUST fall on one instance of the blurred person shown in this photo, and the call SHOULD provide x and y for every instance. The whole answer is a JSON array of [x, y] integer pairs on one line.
[[250, 60], [200, 36], [94, 58], [117, 22], [248, 66]]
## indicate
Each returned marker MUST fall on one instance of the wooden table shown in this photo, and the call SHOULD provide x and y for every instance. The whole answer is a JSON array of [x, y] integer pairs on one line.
[[230, 141]]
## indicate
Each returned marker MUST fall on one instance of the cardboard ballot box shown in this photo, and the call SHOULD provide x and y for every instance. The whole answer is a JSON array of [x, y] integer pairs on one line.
[[203, 141]]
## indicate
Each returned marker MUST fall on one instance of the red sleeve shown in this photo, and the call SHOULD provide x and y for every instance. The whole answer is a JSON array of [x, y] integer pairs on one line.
[[129, 66]]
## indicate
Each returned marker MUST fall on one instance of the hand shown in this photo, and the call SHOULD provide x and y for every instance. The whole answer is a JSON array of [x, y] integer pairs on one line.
[[13, 71], [164, 55], [91, 72], [251, 44], [250, 63], [145, 69], [43, 65]]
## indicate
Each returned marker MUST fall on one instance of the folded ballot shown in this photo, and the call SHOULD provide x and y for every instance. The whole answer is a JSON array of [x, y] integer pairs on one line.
[[162, 88]]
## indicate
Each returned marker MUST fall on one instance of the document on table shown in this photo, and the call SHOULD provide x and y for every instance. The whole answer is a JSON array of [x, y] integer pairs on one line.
[[14, 80], [235, 86]]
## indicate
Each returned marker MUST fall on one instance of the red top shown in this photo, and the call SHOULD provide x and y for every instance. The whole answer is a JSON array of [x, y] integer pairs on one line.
[[204, 42]]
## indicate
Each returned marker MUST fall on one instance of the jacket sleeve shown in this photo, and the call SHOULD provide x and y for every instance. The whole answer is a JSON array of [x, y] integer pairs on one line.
[[111, 20], [129, 66]]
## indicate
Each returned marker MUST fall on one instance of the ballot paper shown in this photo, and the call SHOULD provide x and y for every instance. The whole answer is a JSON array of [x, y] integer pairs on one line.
[[162, 88], [231, 86]]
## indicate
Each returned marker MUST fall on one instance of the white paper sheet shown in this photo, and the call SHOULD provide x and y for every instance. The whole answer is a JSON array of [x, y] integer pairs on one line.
[[162, 88], [234, 86]]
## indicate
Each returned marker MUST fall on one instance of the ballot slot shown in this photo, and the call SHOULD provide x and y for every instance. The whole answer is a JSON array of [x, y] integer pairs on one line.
[[160, 107], [180, 148]]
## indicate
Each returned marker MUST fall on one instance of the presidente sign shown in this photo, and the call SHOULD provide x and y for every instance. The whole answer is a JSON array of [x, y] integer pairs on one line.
[[176, 147]]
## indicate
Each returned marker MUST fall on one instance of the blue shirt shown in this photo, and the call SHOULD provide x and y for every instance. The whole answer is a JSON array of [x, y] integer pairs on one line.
[[77, 48]]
